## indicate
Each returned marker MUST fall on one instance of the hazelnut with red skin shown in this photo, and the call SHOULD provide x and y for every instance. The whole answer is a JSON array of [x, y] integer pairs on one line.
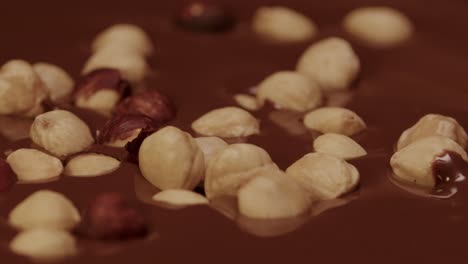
[[150, 103], [7, 176], [110, 217], [205, 16]]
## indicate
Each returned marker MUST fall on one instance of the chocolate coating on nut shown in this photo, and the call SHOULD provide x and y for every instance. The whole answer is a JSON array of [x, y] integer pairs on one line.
[[205, 16], [7, 176], [102, 79], [121, 127]]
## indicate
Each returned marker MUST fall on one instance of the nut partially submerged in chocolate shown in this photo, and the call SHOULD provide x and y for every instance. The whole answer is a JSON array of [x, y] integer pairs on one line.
[[334, 120], [205, 16], [34, 166], [57, 81]]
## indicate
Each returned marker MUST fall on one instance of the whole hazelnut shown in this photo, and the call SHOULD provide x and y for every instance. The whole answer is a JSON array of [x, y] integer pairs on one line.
[[126, 36], [7, 176], [205, 16], [101, 90], [170, 158], [124, 128], [57, 81], [151, 103], [61, 132], [111, 216], [334, 120], [31, 165], [91, 165], [339, 146]]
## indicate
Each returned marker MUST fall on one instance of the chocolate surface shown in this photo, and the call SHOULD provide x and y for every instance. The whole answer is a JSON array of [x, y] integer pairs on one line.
[[382, 224]]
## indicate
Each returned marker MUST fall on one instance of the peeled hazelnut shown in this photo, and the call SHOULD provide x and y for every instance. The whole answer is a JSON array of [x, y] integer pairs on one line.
[[180, 198], [45, 209], [61, 133], [110, 216], [131, 66], [126, 36], [434, 125], [331, 63], [91, 165], [283, 24], [413, 163], [171, 159], [246, 101], [7, 176], [57, 81], [234, 166], [378, 26], [210, 146], [205, 16], [324, 176], [272, 195], [339, 146], [151, 103], [227, 122], [121, 129], [44, 244], [291, 91], [21, 89], [31, 165], [334, 120], [101, 90]]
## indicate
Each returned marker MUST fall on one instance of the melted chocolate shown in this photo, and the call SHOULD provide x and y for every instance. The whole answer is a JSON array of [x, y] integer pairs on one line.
[[383, 224]]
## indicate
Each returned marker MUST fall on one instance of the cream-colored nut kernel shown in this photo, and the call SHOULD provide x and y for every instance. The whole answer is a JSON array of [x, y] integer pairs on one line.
[[413, 163], [272, 195], [127, 36], [324, 176], [282, 24], [171, 159], [57, 81], [378, 26], [31, 165], [44, 244], [102, 101], [339, 146], [434, 125], [210, 146], [180, 198], [334, 120], [132, 66], [234, 166], [331, 63], [61, 133], [91, 165], [227, 122], [248, 102], [45, 209], [21, 90], [291, 91]]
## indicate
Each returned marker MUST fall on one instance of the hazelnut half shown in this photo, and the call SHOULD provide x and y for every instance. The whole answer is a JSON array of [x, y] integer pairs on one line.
[[91, 165], [179, 198], [334, 120], [171, 159], [340, 146], [61, 132], [126, 36], [31, 165], [57, 81]]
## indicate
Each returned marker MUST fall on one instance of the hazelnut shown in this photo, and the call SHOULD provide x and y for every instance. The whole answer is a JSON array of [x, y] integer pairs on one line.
[[290, 91], [334, 120], [324, 176], [57, 81], [210, 146], [171, 159], [45, 209], [44, 244], [110, 216], [91, 165], [126, 36], [271, 227], [21, 90], [248, 102], [7, 176], [101, 90], [234, 166], [61, 132], [282, 24], [151, 103], [31, 165], [413, 163], [205, 16], [272, 195], [378, 26], [340, 146], [180, 198], [434, 125], [227, 122], [121, 129], [131, 66], [331, 63]]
